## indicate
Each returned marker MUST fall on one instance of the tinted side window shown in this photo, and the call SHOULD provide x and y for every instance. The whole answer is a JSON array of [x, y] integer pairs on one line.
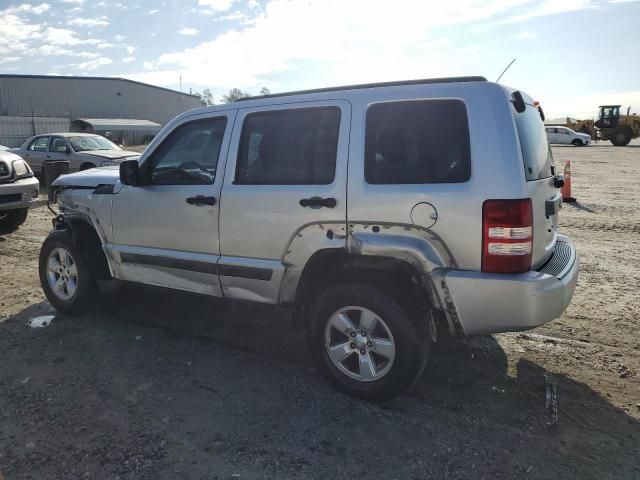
[[189, 155], [417, 142], [39, 144], [289, 147]]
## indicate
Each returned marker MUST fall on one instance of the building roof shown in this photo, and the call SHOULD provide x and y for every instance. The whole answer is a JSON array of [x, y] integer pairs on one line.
[[120, 124], [63, 77]]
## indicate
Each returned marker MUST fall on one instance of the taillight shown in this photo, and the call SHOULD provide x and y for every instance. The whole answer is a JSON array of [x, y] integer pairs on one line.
[[507, 238]]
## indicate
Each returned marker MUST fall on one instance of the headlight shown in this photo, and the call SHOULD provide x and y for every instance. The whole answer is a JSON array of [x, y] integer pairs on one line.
[[108, 163]]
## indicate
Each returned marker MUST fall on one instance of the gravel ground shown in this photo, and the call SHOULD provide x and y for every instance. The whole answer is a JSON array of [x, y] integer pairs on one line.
[[156, 385]]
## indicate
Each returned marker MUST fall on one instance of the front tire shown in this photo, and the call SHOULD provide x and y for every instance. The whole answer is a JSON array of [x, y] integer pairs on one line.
[[65, 276], [366, 342], [10, 220], [621, 137], [577, 143]]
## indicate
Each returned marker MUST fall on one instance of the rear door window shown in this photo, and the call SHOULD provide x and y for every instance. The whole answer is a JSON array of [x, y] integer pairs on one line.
[[415, 142], [39, 144], [536, 153], [289, 147]]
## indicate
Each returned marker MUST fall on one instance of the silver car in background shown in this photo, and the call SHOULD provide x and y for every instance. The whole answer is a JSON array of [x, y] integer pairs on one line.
[[82, 150]]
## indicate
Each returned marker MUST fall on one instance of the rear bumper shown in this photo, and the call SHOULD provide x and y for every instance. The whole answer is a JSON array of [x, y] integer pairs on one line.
[[18, 194], [492, 302]]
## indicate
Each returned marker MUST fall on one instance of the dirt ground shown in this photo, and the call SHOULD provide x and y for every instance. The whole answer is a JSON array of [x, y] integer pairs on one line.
[[157, 385]]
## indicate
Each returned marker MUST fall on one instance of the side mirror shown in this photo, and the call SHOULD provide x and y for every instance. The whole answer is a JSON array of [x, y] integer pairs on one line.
[[130, 173]]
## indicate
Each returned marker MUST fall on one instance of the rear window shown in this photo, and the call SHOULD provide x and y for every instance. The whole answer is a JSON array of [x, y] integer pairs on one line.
[[415, 142], [538, 160]]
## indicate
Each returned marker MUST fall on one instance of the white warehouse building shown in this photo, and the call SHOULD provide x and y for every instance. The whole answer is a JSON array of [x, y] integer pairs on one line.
[[129, 112]]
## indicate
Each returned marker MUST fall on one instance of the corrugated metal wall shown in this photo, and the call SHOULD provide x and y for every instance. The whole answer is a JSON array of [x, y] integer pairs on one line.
[[74, 97], [15, 130]]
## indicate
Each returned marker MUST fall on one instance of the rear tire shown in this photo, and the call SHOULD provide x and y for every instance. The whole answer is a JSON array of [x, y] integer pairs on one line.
[[377, 352], [621, 137], [65, 276], [10, 220]]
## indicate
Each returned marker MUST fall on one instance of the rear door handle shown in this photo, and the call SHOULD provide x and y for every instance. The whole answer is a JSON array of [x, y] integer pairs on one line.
[[201, 200], [317, 202]]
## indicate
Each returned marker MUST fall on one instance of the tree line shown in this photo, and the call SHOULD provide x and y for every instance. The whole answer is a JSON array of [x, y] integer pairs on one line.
[[206, 97]]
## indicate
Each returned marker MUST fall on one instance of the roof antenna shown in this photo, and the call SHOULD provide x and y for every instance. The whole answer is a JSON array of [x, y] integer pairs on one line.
[[504, 71]]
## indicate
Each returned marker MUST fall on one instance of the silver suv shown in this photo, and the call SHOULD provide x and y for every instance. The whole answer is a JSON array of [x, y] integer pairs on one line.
[[378, 214]]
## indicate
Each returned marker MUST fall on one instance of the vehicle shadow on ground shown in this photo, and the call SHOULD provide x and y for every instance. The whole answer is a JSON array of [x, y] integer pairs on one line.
[[578, 206], [470, 395], [6, 230]]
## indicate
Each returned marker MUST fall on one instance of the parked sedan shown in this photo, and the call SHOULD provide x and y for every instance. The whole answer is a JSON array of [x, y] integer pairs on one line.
[[566, 136], [82, 150]]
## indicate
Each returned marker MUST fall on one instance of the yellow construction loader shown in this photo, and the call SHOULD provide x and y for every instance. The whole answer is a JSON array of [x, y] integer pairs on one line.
[[619, 129]]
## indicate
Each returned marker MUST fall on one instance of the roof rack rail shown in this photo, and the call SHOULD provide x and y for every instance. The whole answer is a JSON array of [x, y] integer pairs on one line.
[[424, 81]]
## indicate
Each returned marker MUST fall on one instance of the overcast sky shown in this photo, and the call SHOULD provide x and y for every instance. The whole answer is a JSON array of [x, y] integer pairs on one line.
[[572, 55]]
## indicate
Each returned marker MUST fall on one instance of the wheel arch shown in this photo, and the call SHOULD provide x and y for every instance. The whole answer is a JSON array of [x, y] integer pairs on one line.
[[86, 166], [88, 243], [331, 266]]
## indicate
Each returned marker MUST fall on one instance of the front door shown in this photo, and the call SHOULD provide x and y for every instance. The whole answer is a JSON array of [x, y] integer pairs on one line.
[[286, 180], [166, 232], [57, 150]]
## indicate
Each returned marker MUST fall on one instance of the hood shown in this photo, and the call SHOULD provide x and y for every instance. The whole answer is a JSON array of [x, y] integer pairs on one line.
[[111, 154], [583, 135], [89, 178]]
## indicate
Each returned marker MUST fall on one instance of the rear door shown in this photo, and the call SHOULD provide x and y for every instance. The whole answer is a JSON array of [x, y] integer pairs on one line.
[[539, 171], [287, 169], [36, 153]]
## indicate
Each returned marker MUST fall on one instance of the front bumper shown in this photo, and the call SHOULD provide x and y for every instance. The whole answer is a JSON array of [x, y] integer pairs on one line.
[[18, 194], [493, 302]]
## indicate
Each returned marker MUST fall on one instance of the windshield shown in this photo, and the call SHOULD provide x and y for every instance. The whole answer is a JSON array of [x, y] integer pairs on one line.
[[538, 160], [83, 144]]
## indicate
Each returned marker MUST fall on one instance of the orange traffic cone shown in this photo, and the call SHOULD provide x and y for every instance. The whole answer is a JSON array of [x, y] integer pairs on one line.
[[566, 188]]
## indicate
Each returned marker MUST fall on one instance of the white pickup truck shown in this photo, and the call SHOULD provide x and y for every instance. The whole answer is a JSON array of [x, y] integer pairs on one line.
[[18, 187]]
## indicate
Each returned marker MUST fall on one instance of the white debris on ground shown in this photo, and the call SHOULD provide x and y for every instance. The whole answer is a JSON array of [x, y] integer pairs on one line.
[[42, 321]]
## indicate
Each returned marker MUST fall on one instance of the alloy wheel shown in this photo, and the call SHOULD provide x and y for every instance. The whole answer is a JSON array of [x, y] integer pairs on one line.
[[359, 343], [62, 273]]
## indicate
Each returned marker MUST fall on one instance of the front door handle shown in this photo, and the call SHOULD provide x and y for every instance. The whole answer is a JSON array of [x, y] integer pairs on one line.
[[201, 200], [317, 202]]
